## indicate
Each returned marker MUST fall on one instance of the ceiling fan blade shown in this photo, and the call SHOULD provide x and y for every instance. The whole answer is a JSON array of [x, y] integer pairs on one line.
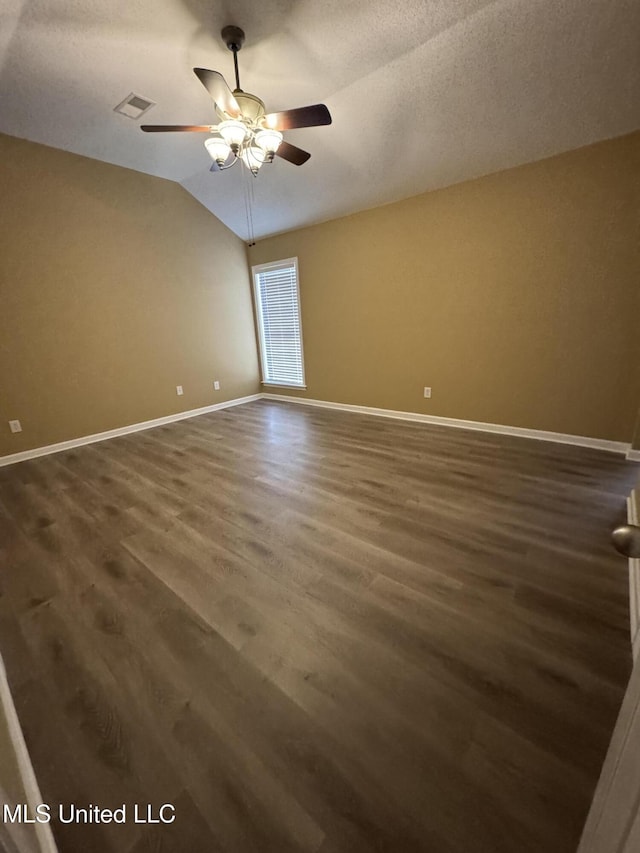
[[216, 86], [312, 116], [179, 128], [292, 153]]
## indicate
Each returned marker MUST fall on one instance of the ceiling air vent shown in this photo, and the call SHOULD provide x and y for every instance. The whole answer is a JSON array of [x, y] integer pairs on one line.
[[134, 106]]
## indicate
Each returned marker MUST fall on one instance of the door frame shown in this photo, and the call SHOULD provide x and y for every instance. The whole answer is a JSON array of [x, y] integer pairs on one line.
[[613, 822]]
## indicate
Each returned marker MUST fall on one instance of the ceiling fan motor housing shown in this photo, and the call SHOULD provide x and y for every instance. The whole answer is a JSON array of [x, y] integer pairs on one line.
[[251, 107], [233, 37]]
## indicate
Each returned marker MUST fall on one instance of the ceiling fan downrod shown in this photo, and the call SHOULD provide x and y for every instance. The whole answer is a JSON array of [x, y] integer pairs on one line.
[[233, 37]]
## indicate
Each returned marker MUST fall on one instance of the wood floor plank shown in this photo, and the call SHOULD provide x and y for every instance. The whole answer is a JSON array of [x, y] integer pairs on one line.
[[317, 632]]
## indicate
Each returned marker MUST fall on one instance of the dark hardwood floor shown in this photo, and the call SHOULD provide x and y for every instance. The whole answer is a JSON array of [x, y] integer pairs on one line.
[[317, 631]]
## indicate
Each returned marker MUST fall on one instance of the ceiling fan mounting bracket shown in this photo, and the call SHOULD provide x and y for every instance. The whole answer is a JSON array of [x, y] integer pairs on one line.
[[233, 37]]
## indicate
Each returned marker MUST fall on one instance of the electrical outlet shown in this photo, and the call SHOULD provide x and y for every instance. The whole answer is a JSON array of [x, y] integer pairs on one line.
[[427, 391], [216, 385], [15, 426], [179, 390]]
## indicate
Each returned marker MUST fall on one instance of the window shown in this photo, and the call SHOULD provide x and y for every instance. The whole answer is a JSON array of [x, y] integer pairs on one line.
[[278, 311]]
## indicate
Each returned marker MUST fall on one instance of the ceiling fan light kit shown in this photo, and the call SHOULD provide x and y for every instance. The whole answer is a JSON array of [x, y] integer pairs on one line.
[[254, 146], [246, 133]]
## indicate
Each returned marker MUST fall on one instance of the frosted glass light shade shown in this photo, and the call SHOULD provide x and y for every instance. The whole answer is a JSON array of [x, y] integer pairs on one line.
[[268, 140], [218, 149], [253, 157], [233, 132]]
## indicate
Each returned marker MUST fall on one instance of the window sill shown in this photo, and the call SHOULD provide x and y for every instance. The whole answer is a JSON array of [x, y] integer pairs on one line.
[[282, 385]]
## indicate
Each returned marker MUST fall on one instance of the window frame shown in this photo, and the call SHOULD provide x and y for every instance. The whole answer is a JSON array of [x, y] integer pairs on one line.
[[285, 263]]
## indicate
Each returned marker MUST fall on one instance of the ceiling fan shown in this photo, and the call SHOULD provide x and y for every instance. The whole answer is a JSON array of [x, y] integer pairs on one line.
[[245, 131]]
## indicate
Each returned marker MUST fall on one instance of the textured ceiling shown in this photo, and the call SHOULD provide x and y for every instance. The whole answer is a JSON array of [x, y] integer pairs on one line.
[[423, 93]]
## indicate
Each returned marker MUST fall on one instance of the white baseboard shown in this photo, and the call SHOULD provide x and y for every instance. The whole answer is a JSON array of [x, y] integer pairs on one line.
[[539, 434], [113, 433]]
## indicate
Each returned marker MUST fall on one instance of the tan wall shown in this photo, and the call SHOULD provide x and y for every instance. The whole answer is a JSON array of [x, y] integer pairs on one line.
[[515, 296], [114, 288]]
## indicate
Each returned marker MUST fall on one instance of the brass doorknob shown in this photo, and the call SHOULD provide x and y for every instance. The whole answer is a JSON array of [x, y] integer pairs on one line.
[[626, 540]]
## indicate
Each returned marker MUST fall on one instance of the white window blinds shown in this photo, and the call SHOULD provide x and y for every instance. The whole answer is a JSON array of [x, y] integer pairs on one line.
[[278, 312]]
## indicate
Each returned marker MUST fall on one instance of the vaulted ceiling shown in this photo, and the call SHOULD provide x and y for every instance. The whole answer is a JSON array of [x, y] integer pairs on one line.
[[423, 93]]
